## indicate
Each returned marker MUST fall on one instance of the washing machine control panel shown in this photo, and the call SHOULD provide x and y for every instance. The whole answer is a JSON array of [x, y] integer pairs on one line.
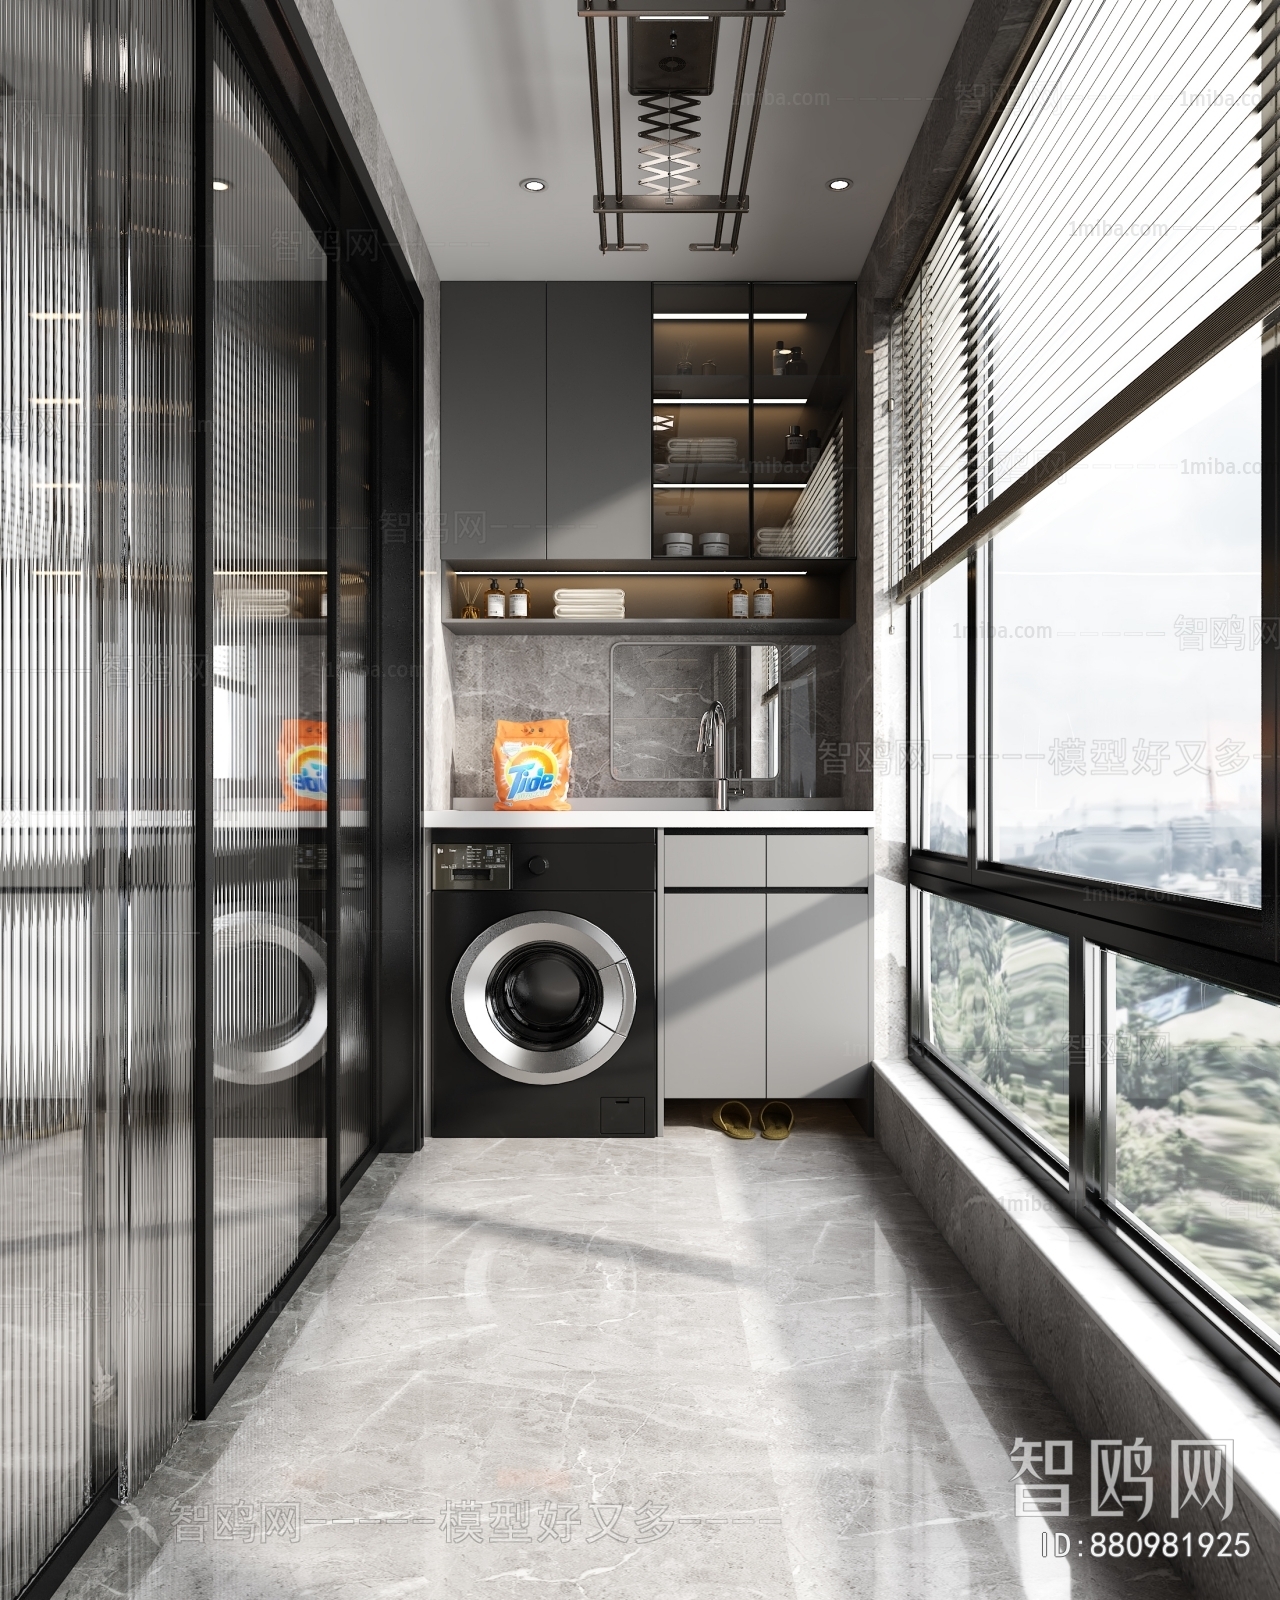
[[472, 866]]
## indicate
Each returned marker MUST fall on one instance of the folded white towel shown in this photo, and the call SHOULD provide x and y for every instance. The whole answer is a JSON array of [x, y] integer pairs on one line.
[[702, 449], [610, 596], [577, 613]]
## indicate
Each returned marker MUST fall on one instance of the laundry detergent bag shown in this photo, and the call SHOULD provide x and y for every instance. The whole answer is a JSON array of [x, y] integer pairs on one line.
[[531, 762], [303, 751]]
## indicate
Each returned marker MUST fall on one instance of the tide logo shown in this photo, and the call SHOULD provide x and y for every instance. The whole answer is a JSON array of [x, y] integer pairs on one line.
[[530, 772], [308, 771]]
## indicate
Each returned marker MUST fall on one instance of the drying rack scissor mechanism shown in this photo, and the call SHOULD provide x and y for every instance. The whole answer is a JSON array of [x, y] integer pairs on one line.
[[671, 54]]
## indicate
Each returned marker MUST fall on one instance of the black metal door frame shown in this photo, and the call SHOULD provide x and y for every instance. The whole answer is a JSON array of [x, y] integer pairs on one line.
[[341, 204]]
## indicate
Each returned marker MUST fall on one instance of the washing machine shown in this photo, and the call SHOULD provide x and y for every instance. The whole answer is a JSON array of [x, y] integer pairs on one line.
[[544, 993]]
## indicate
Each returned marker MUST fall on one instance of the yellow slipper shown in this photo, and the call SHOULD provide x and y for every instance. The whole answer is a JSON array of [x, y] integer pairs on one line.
[[735, 1120], [776, 1120]]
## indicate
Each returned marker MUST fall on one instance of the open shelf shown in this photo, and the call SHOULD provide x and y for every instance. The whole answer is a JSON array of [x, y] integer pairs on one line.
[[661, 597], [688, 627], [686, 567]]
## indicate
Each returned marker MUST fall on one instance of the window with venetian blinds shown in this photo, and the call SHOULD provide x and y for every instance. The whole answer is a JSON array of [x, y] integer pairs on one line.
[[1124, 194]]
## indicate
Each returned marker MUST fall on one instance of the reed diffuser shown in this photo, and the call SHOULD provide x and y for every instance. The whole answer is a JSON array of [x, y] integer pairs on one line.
[[470, 592]]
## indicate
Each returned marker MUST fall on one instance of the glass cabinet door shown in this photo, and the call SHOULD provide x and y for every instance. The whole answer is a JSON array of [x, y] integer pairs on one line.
[[798, 387], [749, 387], [701, 420], [270, 1004]]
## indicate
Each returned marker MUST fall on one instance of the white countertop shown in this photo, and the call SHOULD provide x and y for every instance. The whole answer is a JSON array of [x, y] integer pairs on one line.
[[674, 817]]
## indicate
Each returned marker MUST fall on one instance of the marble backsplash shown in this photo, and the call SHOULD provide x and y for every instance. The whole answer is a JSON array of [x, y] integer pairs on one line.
[[665, 690]]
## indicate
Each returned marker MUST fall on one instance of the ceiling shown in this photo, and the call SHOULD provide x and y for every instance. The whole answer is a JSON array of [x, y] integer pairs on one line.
[[475, 95]]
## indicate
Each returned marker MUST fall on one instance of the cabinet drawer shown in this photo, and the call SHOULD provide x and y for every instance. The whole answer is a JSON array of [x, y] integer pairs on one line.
[[818, 860], [715, 861]]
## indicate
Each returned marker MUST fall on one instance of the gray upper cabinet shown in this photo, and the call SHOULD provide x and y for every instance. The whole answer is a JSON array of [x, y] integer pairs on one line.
[[599, 421], [493, 421], [545, 421]]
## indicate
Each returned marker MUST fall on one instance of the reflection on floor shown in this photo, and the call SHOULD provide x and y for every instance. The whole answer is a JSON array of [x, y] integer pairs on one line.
[[674, 1370]]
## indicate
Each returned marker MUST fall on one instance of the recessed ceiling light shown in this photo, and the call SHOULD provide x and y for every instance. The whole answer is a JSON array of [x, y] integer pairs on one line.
[[838, 183], [220, 185], [533, 185]]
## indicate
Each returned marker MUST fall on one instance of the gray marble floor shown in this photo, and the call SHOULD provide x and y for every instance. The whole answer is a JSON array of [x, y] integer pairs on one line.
[[692, 1368]]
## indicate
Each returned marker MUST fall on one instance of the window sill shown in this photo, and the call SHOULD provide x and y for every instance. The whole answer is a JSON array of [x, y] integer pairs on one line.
[[1119, 1363]]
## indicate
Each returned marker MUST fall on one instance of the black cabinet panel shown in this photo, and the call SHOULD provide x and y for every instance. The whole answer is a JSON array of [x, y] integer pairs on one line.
[[598, 421], [493, 420]]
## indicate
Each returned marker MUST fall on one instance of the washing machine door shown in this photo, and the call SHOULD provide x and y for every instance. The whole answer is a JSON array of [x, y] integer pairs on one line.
[[274, 1019], [544, 997]]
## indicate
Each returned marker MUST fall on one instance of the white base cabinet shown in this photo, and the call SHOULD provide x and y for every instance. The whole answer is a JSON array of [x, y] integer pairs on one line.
[[766, 991], [816, 1006], [714, 995]]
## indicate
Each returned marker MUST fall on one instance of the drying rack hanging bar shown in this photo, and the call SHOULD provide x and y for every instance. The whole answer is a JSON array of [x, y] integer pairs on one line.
[[594, 78], [739, 81], [749, 153], [677, 9], [661, 204], [722, 205]]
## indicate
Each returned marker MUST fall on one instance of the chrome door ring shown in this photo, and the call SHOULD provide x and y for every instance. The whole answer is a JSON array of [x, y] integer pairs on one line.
[[473, 1015], [237, 1063]]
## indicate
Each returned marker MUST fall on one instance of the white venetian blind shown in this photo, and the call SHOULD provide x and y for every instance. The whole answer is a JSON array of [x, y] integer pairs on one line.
[[1116, 204]]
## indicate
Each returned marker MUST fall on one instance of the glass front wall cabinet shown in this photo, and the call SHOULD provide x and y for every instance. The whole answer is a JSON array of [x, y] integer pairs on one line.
[[751, 384]]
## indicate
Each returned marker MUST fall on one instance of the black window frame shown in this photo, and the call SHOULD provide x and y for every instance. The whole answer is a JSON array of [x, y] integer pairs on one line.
[[1237, 947]]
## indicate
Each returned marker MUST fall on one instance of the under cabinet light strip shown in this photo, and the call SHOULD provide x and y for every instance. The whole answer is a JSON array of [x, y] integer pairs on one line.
[[731, 316], [695, 572], [658, 402]]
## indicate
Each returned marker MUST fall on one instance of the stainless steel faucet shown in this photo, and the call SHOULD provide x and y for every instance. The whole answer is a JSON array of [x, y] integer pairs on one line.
[[713, 735]]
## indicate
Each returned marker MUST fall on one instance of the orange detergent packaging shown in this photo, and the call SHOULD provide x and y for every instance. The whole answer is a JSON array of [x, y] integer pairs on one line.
[[303, 752], [531, 762]]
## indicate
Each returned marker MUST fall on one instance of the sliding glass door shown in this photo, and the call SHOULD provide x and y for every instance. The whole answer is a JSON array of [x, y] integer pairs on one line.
[[210, 360], [272, 1040], [97, 659], [355, 459]]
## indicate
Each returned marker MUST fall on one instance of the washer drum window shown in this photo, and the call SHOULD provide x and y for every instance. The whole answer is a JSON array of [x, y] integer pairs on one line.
[[275, 1009], [544, 997]]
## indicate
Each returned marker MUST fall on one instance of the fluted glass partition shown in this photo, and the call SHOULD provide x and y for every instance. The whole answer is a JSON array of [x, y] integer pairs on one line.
[[157, 1358], [271, 1001], [189, 471], [96, 768], [355, 509], [48, 646]]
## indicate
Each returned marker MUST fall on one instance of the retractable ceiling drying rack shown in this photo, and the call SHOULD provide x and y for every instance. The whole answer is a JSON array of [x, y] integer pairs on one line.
[[671, 57]]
